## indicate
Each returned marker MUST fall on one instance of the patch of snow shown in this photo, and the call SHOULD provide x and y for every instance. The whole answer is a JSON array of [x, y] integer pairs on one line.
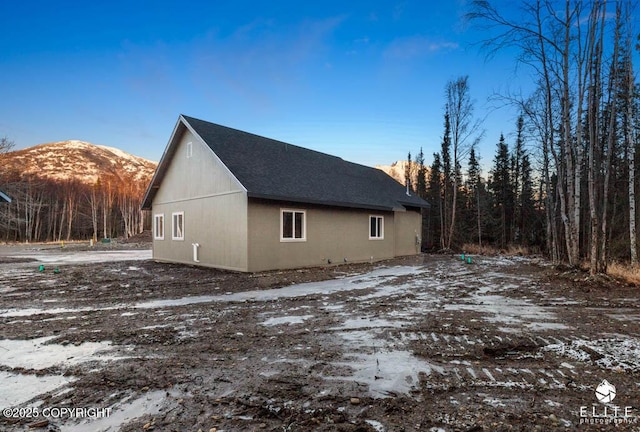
[[148, 404], [34, 311], [364, 322], [37, 354], [379, 278], [120, 153], [292, 319], [333, 308], [625, 315], [18, 388], [89, 256], [63, 392], [619, 353], [494, 402], [379, 427], [187, 334], [500, 309], [538, 326], [386, 372], [155, 326]]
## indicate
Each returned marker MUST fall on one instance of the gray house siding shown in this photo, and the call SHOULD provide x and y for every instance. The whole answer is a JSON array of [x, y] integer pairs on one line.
[[408, 232], [214, 206], [227, 189], [331, 234]]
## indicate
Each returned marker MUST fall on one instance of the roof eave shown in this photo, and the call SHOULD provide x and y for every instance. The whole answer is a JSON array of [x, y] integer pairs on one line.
[[303, 200], [423, 204]]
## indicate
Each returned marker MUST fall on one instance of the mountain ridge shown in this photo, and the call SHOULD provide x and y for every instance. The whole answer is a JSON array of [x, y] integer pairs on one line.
[[77, 160], [87, 163], [397, 171]]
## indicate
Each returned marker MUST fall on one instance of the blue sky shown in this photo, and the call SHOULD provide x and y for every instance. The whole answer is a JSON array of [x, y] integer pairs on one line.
[[361, 80]]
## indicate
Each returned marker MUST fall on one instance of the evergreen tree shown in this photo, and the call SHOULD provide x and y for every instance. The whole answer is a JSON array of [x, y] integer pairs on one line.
[[516, 169], [502, 193], [434, 196], [421, 181], [474, 185], [447, 192], [407, 173]]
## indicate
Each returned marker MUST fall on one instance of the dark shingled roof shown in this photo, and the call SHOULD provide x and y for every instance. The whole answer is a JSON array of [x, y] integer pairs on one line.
[[276, 170]]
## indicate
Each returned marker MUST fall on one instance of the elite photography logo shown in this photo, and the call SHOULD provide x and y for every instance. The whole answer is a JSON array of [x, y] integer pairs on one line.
[[606, 392], [606, 413]]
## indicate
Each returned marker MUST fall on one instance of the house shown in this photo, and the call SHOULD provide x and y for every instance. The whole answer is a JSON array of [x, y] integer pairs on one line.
[[229, 199], [4, 198]]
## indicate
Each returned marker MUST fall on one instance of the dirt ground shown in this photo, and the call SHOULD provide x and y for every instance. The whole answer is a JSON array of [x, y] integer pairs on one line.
[[426, 343]]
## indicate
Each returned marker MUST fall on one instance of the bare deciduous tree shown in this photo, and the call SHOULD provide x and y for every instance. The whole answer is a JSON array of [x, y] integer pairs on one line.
[[566, 46], [465, 132]]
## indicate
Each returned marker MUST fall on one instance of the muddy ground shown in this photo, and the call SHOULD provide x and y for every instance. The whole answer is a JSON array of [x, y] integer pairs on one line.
[[427, 343]]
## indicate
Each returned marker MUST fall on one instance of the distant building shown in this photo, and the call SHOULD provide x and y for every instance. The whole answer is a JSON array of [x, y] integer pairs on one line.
[[4, 198], [229, 199]]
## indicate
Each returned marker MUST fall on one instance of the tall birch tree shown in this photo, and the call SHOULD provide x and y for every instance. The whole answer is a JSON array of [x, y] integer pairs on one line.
[[465, 131]]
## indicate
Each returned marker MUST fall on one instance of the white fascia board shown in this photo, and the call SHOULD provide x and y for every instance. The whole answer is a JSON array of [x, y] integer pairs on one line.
[[161, 163], [5, 197]]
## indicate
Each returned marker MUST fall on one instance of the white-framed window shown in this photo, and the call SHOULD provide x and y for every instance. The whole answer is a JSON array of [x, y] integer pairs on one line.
[[189, 149], [177, 226], [158, 226], [293, 225], [376, 227]]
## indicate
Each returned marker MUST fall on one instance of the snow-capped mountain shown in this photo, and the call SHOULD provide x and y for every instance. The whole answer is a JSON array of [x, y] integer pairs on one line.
[[397, 170], [83, 161]]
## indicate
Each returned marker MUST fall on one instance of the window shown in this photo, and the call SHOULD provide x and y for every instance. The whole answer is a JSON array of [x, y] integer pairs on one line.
[[376, 227], [158, 227], [189, 149], [293, 225], [177, 226]]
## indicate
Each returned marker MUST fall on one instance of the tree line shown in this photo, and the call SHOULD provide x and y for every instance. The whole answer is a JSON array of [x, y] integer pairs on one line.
[[498, 210], [567, 182], [62, 210]]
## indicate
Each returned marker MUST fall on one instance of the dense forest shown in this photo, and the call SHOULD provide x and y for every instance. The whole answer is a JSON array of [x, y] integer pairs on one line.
[[61, 210], [565, 184]]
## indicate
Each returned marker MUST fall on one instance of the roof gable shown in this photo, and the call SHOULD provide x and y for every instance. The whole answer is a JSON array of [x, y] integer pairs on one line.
[[276, 170]]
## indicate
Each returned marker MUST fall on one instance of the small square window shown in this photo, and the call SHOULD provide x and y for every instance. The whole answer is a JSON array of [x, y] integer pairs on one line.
[[376, 227], [158, 227], [177, 226], [293, 225]]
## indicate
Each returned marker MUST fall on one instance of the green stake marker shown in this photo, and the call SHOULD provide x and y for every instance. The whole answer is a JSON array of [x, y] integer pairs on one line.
[[462, 257], [56, 270], [41, 268], [468, 260]]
